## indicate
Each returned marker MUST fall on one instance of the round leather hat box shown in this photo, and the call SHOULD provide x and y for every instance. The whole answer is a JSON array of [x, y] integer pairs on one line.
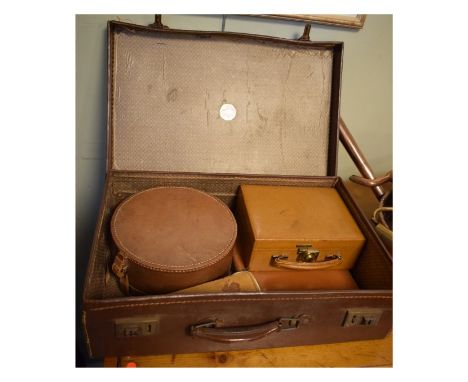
[[171, 238]]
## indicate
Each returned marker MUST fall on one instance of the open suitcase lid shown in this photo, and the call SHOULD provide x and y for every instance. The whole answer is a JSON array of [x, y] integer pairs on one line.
[[219, 102]]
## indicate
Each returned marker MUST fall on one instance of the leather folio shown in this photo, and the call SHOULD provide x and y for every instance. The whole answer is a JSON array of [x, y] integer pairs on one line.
[[223, 225]]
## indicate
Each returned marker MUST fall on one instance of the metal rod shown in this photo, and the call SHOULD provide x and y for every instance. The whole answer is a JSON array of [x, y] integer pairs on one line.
[[388, 177], [358, 158]]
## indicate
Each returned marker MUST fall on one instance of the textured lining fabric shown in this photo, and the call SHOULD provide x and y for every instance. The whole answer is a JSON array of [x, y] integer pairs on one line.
[[168, 91]]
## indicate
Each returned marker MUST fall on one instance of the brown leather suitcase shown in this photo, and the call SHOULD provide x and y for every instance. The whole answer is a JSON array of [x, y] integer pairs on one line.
[[213, 111]]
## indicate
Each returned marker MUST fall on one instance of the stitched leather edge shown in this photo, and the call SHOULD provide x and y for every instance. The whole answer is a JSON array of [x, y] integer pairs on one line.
[[177, 270], [240, 300], [166, 268], [187, 175], [88, 341]]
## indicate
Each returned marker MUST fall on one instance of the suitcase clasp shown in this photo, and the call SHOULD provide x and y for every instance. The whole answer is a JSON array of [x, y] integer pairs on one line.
[[306, 253], [289, 323]]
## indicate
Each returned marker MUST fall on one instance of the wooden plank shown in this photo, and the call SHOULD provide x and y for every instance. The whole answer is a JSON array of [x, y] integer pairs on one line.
[[374, 353]]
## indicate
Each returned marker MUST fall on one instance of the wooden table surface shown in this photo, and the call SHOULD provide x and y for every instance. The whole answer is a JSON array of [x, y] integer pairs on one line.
[[373, 353]]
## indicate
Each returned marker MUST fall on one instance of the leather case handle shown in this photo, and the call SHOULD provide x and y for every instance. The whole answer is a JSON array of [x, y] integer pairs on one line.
[[212, 332], [329, 261]]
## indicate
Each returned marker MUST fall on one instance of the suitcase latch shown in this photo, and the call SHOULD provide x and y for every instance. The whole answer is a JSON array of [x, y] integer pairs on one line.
[[306, 253], [288, 323], [136, 326]]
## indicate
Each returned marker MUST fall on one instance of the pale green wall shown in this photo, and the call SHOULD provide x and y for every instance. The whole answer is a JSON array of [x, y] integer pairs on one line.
[[366, 91], [366, 97]]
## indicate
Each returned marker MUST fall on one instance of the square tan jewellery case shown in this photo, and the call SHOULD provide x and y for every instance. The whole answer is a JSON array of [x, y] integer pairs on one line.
[[225, 113]]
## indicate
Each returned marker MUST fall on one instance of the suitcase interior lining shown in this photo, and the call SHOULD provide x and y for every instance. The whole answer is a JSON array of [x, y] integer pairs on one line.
[[167, 90], [373, 269]]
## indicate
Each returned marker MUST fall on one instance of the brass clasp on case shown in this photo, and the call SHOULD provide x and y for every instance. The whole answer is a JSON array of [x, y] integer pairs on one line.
[[306, 259], [306, 253]]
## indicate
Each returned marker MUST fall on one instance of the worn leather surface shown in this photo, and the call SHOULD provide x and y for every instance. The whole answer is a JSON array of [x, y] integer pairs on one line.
[[305, 280], [323, 313], [173, 237], [274, 219]]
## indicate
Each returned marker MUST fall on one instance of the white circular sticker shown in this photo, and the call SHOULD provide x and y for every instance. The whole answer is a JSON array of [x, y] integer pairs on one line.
[[227, 112]]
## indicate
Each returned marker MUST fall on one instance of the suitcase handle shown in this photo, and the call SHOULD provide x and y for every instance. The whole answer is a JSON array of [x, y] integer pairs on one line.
[[212, 332], [329, 261]]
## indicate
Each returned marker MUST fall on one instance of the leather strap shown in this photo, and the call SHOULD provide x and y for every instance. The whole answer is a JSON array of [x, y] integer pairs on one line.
[[120, 267], [329, 261], [211, 332], [124, 285]]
